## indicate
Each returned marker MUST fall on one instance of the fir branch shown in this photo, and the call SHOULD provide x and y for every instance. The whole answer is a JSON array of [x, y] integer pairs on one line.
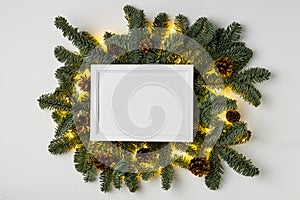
[[106, 180], [238, 162], [253, 75], [165, 155], [68, 71], [117, 179], [84, 163], [242, 139], [120, 169], [108, 35], [62, 144], [181, 24], [91, 174], [147, 175], [57, 116], [82, 40], [235, 132], [233, 32], [221, 103], [50, 101], [160, 28], [181, 161], [136, 18], [132, 181], [65, 56], [161, 21], [167, 177], [247, 91], [64, 76], [66, 124], [202, 31], [213, 178], [237, 51]]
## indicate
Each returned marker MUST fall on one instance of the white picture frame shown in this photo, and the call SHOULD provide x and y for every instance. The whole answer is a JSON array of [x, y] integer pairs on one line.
[[150, 103]]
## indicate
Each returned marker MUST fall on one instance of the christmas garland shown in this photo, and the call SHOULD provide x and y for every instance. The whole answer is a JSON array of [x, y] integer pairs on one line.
[[217, 127]]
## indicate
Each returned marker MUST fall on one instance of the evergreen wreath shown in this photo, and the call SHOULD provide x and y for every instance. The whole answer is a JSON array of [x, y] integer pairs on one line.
[[70, 102]]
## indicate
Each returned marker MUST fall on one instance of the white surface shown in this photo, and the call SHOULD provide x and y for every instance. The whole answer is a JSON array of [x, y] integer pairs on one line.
[[28, 37], [142, 103]]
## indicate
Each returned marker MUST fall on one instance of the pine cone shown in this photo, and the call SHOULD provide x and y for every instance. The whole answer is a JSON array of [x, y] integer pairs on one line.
[[199, 166], [224, 66], [115, 50], [84, 83], [82, 123], [143, 155], [233, 116], [103, 161], [145, 45]]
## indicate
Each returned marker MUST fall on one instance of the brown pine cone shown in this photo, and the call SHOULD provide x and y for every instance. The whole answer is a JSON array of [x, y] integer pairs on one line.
[[145, 45], [199, 166], [82, 122], [233, 116], [224, 66], [84, 83]]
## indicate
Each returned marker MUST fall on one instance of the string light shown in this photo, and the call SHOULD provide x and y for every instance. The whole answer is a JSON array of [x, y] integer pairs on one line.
[[70, 134]]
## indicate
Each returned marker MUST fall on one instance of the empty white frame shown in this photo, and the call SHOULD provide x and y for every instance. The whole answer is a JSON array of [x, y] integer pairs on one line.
[[151, 103]]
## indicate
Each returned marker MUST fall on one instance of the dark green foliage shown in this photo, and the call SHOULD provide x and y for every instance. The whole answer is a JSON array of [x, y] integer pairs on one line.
[[119, 171], [161, 21], [66, 123], [212, 105], [167, 177], [243, 138], [136, 18], [49, 101], [146, 44], [253, 75], [57, 117], [91, 175], [82, 40], [159, 31], [147, 175], [117, 179], [84, 163], [62, 144], [247, 91], [131, 181], [65, 56], [202, 31], [233, 32], [164, 155], [236, 131], [106, 180], [238, 162], [238, 52], [182, 162], [181, 24], [213, 178], [108, 35]]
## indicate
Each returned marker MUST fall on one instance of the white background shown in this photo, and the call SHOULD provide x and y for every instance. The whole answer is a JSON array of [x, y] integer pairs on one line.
[[27, 39]]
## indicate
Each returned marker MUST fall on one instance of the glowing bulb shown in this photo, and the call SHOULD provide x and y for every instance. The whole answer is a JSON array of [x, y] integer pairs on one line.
[[207, 150], [181, 153], [70, 134], [172, 29], [222, 116]]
